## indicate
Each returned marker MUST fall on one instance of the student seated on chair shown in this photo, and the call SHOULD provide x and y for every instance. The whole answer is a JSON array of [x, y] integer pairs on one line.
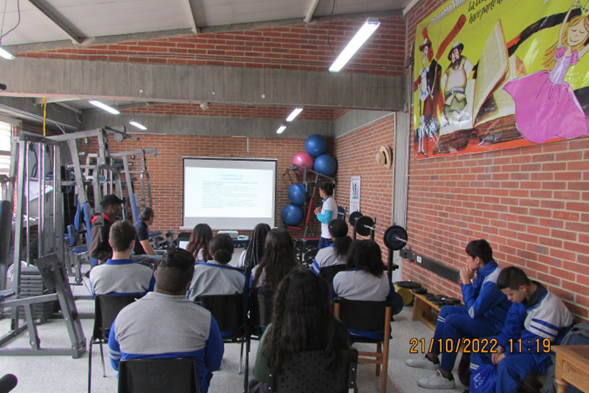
[[166, 324], [216, 277], [278, 260], [483, 316], [142, 245], [334, 254], [365, 278], [120, 275], [302, 320], [198, 244], [537, 319], [255, 249], [112, 211]]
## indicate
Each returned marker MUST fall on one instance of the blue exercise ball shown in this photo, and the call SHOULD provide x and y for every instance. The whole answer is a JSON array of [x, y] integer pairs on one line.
[[326, 165], [316, 145], [292, 214], [296, 194]]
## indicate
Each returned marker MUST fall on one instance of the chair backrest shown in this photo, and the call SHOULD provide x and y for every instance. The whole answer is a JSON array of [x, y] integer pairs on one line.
[[176, 375], [329, 272], [260, 309], [362, 315], [307, 372], [106, 309], [228, 310]]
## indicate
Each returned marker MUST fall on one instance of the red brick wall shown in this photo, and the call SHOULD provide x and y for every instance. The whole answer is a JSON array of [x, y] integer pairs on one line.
[[531, 203], [165, 170], [297, 47], [356, 155]]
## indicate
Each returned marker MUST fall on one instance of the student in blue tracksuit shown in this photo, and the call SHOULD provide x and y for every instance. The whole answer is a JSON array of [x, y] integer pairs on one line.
[[537, 319], [326, 213], [166, 324], [483, 316]]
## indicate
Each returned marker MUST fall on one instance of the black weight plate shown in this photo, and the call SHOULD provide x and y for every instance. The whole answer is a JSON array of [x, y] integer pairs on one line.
[[395, 237], [408, 284], [363, 225], [353, 217], [420, 291]]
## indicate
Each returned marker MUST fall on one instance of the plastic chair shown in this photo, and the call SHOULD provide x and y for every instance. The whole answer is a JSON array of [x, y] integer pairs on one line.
[[306, 372], [365, 316], [106, 309], [230, 313], [329, 272], [161, 375]]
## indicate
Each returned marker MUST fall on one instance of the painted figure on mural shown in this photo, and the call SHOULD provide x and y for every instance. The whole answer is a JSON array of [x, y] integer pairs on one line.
[[454, 85], [543, 99], [429, 88]]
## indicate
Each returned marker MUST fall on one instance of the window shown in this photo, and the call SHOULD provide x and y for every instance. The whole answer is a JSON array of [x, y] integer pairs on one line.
[[5, 142]]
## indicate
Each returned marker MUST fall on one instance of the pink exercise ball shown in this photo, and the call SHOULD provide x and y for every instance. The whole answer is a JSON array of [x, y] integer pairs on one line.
[[301, 159]]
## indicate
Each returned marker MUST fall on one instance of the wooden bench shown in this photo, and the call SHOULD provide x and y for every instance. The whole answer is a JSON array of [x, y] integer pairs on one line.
[[424, 310]]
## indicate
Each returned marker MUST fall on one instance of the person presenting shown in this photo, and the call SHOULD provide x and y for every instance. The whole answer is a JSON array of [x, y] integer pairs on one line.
[[483, 316], [112, 211], [142, 245], [166, 324], [537, 320], [120, 275], [326, 213]]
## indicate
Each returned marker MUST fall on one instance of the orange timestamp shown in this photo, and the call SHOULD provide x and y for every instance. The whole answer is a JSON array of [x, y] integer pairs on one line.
[[466, 345]]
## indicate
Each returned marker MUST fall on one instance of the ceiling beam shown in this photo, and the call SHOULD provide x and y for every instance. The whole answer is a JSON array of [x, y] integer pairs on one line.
[[311, 11], [62, 24], [192, 16], [208, 125], [33, 77]]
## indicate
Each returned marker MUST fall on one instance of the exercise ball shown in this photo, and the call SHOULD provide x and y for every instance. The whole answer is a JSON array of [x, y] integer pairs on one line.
[[316, 145], [303, 159], [326, 165], [292, 214], [296, 194]]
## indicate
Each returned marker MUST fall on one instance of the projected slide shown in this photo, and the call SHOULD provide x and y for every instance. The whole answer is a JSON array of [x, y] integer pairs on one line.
[[229, 193]]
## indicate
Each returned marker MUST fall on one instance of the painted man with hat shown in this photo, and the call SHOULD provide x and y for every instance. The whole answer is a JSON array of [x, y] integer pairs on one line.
[[112, 211], [454, 85]]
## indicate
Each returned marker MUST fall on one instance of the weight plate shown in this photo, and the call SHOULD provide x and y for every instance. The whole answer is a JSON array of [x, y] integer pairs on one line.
[[363, 225], [353, 217], [408, 284], [395, 237]]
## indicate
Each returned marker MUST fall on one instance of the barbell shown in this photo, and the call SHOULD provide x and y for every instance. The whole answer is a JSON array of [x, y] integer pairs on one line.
[[395, 237]]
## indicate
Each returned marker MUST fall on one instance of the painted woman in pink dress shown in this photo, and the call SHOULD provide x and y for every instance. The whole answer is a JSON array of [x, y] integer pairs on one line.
[[545, 105]]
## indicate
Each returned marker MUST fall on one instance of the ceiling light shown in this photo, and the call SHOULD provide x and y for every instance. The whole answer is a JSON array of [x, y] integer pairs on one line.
[[105, 107], [294, 114], [361, 36], [281, 129], [138, 125], [5, 54]]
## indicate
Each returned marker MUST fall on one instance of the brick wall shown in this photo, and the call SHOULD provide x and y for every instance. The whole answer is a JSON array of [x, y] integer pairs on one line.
[[165, 170], [531, 203], [296, 47], [356, 155]]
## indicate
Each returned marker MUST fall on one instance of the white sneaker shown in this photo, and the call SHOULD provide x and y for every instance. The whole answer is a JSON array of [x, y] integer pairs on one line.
[[436, 381], [422, 362]]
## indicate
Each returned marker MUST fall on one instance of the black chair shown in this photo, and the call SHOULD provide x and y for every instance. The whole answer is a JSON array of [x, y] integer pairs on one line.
[[329, 272], [260, 311], [230, 313], [306, 372], [177, 375], [106, 309], [368, 316]]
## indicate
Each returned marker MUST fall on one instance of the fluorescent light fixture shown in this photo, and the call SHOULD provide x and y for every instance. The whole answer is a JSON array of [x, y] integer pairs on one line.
[[281, 129], [361, 36], [104, 107], [138, 125], [5, 54], [294, 114]]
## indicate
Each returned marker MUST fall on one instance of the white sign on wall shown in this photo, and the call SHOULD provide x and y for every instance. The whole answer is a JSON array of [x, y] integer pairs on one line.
[[355, 194]]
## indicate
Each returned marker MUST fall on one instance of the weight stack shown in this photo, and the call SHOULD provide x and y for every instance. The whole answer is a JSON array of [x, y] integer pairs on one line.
[[31, 284]]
